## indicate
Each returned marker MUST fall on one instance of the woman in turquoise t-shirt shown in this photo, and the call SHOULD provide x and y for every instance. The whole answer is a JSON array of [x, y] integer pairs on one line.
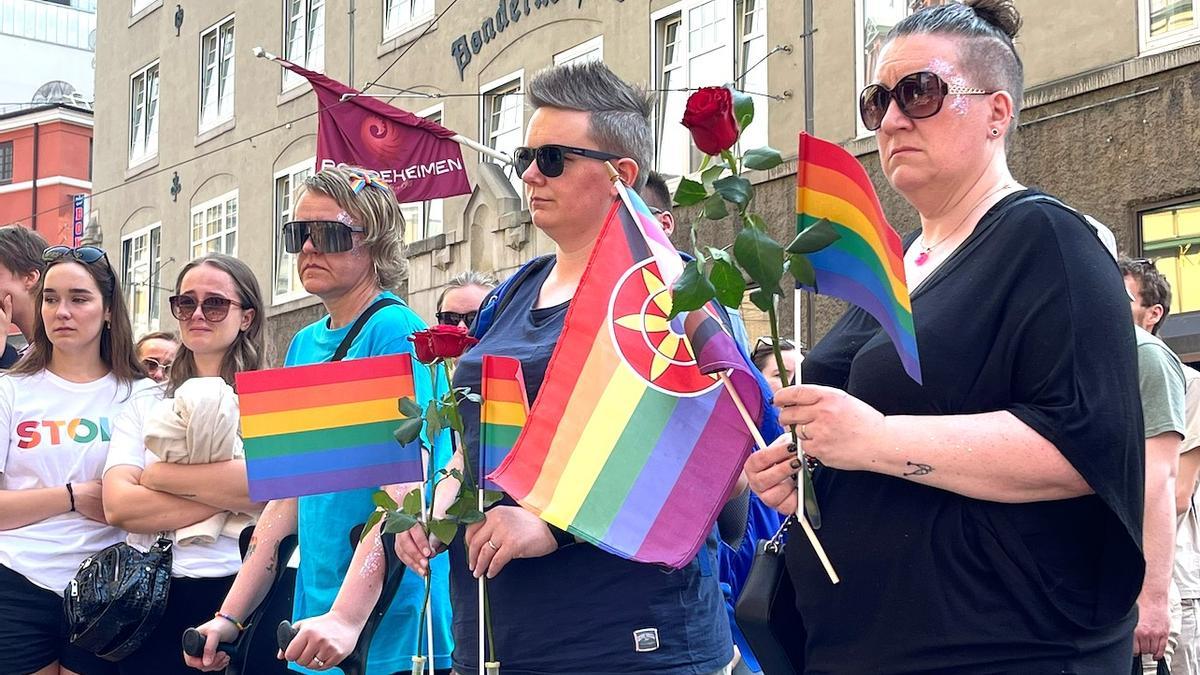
[[348, 234]]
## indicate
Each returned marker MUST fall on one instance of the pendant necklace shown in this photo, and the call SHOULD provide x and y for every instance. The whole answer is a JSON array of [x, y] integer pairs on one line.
[[923, 256]]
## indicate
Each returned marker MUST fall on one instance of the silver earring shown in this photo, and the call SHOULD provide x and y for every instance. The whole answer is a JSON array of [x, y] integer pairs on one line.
[[995, 132]]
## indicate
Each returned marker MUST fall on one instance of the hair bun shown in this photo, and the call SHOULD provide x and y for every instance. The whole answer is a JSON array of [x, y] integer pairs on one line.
[[1002, 14]]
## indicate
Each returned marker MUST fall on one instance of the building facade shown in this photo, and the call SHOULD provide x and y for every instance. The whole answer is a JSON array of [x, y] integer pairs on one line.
[[47, 48], [199, 144], [45, 164]]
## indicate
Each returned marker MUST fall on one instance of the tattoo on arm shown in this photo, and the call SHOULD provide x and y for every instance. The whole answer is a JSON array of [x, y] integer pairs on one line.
[[918, 469]]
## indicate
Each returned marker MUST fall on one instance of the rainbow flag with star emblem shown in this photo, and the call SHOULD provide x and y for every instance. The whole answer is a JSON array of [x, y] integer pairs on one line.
[[633, 442]]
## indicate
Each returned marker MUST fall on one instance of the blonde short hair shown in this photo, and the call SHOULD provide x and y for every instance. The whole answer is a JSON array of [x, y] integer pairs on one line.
[[374, 207]]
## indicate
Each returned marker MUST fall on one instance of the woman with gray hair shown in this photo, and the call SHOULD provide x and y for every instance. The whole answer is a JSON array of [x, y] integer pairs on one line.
[[348, 233]]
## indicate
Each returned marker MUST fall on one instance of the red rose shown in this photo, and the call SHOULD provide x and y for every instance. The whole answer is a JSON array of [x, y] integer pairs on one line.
[[709, 116], [441, 342]]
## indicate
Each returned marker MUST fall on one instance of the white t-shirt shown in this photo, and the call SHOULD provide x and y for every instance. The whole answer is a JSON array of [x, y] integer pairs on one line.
[[1187, 537], [54, 432], [221, 558]]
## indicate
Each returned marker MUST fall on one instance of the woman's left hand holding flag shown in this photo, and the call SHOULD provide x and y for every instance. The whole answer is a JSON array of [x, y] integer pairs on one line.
[[508, 533]]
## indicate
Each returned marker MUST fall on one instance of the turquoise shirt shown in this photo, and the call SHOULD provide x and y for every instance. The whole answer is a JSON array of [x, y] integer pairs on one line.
[[325, 520]]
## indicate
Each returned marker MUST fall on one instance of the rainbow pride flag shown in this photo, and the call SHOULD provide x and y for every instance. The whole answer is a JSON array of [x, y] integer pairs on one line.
[[633, 442], [326, 427], [865, 266], [502, 414]]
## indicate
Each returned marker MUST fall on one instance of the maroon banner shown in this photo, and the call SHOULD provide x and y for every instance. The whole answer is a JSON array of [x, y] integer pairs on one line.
[[412, 154]]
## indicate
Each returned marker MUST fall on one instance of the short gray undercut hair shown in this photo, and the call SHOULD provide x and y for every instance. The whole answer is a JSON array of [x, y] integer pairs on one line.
[[619, 112]]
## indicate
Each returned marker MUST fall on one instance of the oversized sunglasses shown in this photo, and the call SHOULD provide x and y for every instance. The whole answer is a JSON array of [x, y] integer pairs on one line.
[[455, 318], [153, 365], [551, 158], [918, 96], [84, 254], [214, 308], [328, 236]]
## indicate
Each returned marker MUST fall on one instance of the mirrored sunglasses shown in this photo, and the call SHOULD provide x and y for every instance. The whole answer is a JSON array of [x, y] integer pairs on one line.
[[328, 236]]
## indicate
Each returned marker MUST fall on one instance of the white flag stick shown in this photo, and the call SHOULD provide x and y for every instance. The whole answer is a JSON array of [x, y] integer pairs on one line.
[[482, 632]]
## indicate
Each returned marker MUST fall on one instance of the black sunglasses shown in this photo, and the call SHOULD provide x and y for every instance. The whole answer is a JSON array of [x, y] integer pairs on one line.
[[214, 308], [328, 236], [454, 318], [551, 158], [84, 254], [918, 95]]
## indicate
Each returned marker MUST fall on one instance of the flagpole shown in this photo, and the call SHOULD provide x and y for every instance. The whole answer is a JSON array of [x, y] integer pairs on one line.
[[749, 421]]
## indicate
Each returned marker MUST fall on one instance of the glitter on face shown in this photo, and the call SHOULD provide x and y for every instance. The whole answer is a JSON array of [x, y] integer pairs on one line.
[[946, 71], [344, 218]]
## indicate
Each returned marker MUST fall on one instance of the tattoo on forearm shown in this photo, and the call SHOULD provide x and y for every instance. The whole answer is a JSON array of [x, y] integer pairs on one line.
[[918, 469]]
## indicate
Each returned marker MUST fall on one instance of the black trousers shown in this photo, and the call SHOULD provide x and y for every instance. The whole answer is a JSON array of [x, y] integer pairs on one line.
[[190, 602]]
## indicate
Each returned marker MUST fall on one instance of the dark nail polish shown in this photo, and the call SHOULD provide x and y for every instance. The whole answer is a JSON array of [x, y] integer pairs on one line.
[[795, 464], [792, 448]]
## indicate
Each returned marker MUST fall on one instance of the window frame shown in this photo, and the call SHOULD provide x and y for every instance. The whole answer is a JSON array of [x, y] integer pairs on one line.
[[583, 48], [426, 207], [153, 265], [9, 149], [139, 5], [148, 150], [311, 59], [512, 83], [1151, 45], [414, 20], [202, 208], [221, 114], [1175, 243], [290, 172]]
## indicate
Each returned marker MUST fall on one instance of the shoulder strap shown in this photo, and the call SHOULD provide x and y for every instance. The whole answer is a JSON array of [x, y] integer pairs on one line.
[[344, 347], [502, 295]]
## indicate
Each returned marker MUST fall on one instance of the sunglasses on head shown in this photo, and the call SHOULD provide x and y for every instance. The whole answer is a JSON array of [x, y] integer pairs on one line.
[[551, 158], [918, 96], [454, 318], [766, 342], [214, 308], [84, 254], [328, 236]]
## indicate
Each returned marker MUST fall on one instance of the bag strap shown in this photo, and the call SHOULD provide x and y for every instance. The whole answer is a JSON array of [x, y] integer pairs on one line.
[[359, 323], [502, 295]]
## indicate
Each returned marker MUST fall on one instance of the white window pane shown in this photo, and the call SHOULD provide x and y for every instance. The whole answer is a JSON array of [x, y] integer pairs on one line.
[[1170, 16]]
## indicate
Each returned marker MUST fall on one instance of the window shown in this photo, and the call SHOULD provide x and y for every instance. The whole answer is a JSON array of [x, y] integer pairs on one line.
[[214, 226], [592, 50], [6, 162], [287, 278], [143, 114], [139, 5], [874, 19], [423, 219], [216, 75], [1166, 24], [503, 118], [700, 43], [1171, 236], [141, 259], [303, 37], [400, 15]]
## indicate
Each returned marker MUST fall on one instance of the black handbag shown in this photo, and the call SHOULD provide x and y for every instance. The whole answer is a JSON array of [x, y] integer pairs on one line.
[[117, 598], [766, 609], [1160, 668]]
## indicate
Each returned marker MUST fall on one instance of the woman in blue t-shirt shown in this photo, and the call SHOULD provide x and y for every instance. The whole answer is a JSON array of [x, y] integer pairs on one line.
[[348, 233], [559, 606]]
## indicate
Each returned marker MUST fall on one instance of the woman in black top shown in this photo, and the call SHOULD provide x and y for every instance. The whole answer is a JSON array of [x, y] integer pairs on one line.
[[988, 521]]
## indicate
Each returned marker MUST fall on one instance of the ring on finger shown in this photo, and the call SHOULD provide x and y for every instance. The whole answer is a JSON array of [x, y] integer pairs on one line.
[[804, 433], [317, 660], [493, 545]]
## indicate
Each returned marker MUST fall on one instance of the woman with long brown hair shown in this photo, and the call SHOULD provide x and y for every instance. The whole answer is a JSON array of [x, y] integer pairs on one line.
[[55, 408], [194, 415]]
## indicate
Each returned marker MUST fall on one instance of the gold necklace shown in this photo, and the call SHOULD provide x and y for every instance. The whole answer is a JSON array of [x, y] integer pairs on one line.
[[923, 256]]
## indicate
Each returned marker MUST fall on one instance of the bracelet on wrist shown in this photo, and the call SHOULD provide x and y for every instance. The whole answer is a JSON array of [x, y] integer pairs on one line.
[[71, 494], [236, 624]]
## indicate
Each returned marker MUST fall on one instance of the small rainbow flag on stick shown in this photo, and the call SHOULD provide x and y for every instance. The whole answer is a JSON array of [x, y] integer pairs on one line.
[[865, 266], [326, 427], [503, 412]]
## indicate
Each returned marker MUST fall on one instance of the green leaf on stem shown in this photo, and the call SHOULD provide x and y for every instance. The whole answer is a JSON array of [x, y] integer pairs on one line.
[[372, 521], [762, 158], [455, 474], [412, 502], [714, 208], [409, 430], [760, 256], [734, 189], [712, 173], [689, 192], [730, 161], [810, 500], [802, 270], [384, 501], [492, 497], [691, 290], [445, 530], [814, 238], [433, 421], [743, 108], [453, 418], [398, 522], [409, 408], [472, 516], [464, 503], [719, 254], [762, 300], [728, 281]]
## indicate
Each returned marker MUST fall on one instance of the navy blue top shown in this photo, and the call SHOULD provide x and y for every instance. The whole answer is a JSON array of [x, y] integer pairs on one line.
[[579, 609]]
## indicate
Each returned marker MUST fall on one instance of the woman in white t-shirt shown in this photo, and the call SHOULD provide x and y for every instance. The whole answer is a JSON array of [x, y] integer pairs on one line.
[[218, 305], [55, 410]]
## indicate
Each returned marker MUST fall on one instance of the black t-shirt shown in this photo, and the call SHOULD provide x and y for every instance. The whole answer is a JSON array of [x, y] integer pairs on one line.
[[1029, 315], [578, 610]]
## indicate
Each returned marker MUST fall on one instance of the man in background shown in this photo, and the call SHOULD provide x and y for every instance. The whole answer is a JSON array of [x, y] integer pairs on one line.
[[21, 268]]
